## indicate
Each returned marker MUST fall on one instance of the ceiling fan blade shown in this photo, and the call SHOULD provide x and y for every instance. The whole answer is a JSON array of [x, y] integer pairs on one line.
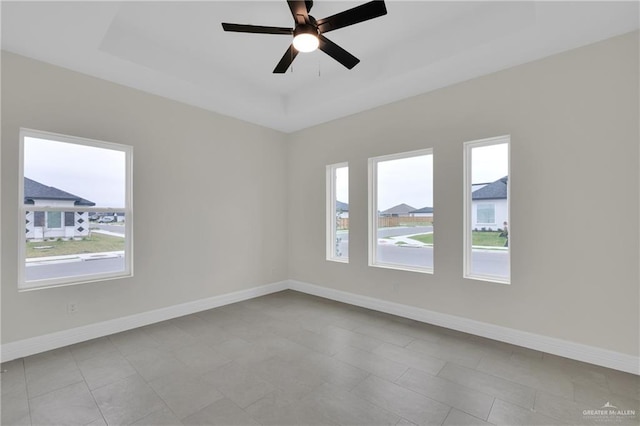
[[299, 11], [286, 60], [361, 13], [337, 52], [256, 29]]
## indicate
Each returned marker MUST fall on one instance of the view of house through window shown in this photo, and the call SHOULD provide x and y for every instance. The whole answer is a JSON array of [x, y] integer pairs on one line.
[[338, 212], [75, 202], [401, 211], [487, 209]]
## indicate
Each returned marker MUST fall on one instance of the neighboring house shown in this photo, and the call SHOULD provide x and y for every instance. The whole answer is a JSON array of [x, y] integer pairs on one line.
[[489, 205], [401, 210], [342, 209], [423, 212], [54, 224]]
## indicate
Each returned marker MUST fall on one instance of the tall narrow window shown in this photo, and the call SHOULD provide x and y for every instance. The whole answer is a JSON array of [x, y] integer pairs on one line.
[[338, 212], [67, 185], [486, 237], [401, 211]]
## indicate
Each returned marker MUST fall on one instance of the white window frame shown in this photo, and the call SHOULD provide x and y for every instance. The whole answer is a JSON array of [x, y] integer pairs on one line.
[[331, 212], [373, 211], [24, 285], [468, 206]]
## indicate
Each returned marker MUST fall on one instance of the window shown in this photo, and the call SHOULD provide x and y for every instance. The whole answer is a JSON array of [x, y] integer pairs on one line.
[[486, 233], [401, 211], [486, 213], [338, 212], [69, 219], [54, 220], [66, 183]]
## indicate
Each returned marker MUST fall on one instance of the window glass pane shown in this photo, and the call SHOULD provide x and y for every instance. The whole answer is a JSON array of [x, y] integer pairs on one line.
[[88, 249], [38, 218], [404, 212], [486, 213], [69, 219], [75, 200], [488, 253], [61, 174], [341, 212], [54, 220]]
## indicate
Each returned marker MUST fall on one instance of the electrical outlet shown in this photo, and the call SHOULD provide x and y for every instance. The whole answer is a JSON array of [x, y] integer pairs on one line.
[[72, 307]]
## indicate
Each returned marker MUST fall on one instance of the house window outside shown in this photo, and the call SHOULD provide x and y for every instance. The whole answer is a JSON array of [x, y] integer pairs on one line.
[[54, 220], [487, 237], [38, 219], [338, 212], [486, 214], [62, 180], [401, 211], [69, 218]]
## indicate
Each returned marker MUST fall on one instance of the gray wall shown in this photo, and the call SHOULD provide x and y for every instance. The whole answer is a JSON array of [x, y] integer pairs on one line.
[[573, 121], [209, 197]]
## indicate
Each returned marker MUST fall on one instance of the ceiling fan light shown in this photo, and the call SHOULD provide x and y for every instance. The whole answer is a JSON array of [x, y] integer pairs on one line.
[[305, 38]]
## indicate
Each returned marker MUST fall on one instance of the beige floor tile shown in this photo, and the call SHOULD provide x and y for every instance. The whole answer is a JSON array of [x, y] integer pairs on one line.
[[470, 401], [185, 392], [408, 404], [127, 400], [72, 405]]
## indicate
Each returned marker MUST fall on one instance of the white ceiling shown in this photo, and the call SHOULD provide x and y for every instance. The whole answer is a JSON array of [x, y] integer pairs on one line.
[[178, 49]]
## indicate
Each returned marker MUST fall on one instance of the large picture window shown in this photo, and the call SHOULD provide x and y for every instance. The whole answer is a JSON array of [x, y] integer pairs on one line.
[[75, 210], [401, 211], [338, 212], [487, 237]]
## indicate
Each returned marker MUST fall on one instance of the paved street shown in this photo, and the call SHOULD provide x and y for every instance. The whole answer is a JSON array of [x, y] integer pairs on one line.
[[73, 268], [484, 262], [118, 229]]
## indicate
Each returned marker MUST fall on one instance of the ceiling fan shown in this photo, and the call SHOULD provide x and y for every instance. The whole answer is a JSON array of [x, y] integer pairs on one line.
[[308, 32]]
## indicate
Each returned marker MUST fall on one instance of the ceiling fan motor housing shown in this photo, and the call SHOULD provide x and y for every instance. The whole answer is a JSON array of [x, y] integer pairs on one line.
[[306, 29]]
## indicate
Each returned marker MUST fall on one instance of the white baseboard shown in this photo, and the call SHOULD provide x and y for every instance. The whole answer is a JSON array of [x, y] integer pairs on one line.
[[551, 345], [34, 345]]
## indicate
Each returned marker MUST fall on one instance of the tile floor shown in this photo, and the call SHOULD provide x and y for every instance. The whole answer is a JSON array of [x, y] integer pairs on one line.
[[295, 359]]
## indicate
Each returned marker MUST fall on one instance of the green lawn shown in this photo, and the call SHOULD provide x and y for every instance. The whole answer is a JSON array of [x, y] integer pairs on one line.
[[424, 238], [488, 239], [97, 243]]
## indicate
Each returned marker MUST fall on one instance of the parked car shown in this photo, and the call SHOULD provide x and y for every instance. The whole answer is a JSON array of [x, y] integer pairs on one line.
[[106, 219], [94, 216]]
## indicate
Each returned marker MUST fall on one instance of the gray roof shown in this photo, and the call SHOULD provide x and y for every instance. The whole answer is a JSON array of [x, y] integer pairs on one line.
[[494, 191], [342, 207], [36, 191], [423, 210], [399, 209]]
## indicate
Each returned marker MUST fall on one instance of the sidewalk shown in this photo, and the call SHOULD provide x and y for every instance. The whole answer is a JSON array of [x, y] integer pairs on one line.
[[33, 261], [407, 241]]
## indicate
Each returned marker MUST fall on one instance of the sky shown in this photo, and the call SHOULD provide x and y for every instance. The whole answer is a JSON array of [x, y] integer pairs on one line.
[[406, 180], [95, 174], [410, 180], [342, 184], [489, 163]]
